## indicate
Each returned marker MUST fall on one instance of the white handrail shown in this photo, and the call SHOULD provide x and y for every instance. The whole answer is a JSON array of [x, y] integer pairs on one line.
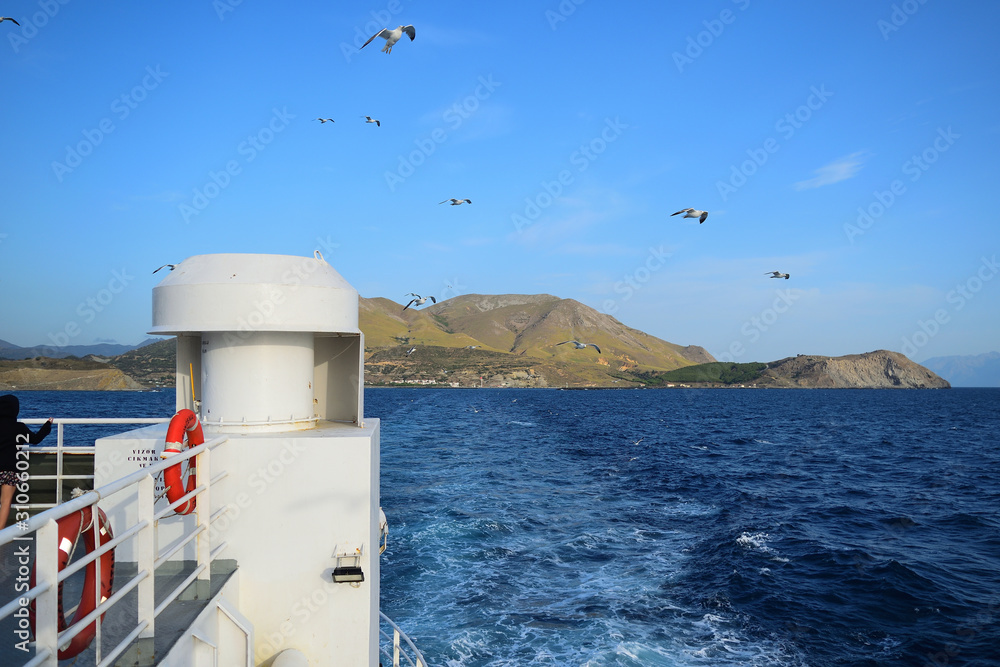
[[60, 448], [398, 634], [48, 577]]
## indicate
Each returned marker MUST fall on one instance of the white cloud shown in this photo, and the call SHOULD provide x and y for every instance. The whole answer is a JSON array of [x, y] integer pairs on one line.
[[838, 170]]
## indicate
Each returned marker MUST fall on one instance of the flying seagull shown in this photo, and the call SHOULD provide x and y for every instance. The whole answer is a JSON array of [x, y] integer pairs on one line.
[[456, 202], [692, 213], [411, 351], [7, 18], [578, 345], [392, 36], [369, 119], [419, 300], [777, 274], [323, 120], [165, 266]]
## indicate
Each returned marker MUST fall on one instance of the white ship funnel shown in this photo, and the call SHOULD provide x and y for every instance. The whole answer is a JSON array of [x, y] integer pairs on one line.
[[264, 342]]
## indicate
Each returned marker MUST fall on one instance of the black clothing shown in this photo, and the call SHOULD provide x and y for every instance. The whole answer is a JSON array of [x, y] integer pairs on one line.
[[10, 429]]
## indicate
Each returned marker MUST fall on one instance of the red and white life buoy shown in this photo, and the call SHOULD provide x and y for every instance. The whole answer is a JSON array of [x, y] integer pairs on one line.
[[184, 423], [70, 528]]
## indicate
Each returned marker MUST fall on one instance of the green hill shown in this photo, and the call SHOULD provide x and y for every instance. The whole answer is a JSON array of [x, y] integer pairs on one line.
[[530, 325], [716, 372]]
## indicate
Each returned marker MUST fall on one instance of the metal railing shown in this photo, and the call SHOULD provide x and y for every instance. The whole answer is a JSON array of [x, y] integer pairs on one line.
[[396, 652], [60, 449], [48, 638]]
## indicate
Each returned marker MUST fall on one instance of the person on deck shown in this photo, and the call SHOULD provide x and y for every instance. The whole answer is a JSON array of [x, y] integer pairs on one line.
[[12, 434]]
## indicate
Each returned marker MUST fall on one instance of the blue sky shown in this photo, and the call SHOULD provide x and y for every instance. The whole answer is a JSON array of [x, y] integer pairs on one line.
[[853, 145]]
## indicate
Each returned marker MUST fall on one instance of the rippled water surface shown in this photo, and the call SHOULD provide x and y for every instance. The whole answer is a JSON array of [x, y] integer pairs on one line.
[[693, 527], [679, 527]]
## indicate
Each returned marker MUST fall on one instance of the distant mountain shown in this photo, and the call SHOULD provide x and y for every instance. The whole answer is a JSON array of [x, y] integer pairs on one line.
[[973, 370], [152, 365], [62, 374], [11, 351], [881, 369], [494, 331]]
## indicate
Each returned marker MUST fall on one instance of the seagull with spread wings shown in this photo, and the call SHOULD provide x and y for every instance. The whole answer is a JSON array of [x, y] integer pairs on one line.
[[692, 213], [578, 345], [325, 120], [7, 18], [392, 36], [777, 274], [369, 119], [418, 300], [456, 202]]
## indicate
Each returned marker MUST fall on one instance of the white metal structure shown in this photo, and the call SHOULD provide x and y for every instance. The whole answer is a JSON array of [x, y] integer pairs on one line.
[[270, 354]]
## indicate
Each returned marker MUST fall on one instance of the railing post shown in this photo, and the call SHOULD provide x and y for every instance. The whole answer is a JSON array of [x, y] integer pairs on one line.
[[145, 549], [47, 604], [59, 461], [203, 514], [395, 647]]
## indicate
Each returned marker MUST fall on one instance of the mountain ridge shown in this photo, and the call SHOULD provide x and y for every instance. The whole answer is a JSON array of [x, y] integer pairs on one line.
[[511, 340], [968, 370]]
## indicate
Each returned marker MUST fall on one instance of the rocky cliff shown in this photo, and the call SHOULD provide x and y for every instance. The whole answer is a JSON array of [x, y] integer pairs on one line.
[[75, 374], [881, 369], [103, 379]]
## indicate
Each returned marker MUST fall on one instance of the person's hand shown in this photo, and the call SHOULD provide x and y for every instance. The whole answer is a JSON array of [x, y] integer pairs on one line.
[[49, 420]]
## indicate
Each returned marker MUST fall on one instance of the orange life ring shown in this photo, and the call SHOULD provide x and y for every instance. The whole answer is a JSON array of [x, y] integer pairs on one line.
[[70, 527], [184, 423]]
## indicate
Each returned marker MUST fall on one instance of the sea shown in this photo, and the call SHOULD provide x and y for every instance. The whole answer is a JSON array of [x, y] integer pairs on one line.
[[679, 526]]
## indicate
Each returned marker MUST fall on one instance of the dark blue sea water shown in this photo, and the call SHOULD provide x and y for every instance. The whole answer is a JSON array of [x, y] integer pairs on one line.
[[681, 527]]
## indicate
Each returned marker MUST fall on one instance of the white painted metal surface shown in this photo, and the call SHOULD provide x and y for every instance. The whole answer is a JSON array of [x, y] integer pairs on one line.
[[270, 355], [263, 381], [245, 292], [269, 352]]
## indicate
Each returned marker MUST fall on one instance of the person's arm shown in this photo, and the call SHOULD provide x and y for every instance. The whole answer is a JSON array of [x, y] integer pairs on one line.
[[35, 438]]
